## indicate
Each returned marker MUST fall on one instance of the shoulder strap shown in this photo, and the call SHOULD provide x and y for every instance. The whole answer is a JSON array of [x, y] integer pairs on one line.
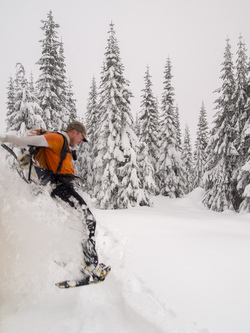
[[63, 152]]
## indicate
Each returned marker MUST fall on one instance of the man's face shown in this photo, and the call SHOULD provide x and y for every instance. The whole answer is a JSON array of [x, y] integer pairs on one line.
[[76, 138]]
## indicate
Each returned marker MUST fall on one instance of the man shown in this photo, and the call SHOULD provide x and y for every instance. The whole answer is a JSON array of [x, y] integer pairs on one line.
[[61, 173]]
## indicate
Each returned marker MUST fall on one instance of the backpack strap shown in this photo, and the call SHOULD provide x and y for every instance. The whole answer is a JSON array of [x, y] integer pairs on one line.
[[64, 152]]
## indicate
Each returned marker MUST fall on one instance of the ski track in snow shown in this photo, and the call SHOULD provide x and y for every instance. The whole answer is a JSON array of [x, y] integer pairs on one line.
[[36, 232]]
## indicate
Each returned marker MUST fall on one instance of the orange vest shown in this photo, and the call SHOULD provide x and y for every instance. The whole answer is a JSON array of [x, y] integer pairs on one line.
[[50, 157]]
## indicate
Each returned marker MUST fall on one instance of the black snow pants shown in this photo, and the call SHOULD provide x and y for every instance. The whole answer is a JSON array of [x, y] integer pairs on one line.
[[67, 193]]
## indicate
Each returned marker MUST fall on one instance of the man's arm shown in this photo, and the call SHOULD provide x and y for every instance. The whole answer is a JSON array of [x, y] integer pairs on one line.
[[36, 140]]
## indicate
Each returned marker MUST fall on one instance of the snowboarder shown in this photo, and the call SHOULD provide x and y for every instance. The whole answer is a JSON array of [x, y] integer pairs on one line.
[[62, 174]]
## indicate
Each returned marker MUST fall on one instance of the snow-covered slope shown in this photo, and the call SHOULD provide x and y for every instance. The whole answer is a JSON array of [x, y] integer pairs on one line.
[[176, 267]]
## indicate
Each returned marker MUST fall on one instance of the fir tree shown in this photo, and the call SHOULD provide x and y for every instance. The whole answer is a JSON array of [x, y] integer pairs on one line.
[[149, 120], [240, 96], [26, 113], [116, 180], [10, 104], [241, 177], [170, 180], [178, 126], [32, 85], [70, 102], [137, 125], [146, 175], [49, 83], [221, 150], [187, 159], [87, 152], [200, 154], [65, 93]]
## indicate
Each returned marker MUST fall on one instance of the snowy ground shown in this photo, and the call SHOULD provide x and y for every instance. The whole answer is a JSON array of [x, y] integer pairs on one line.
[[176, 267]]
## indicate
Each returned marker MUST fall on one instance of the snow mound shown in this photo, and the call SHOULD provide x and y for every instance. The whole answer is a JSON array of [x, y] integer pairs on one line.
[[196, 195], [40, 244]]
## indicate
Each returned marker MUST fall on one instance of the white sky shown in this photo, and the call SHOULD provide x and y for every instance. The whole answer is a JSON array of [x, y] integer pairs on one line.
[[191, 32]]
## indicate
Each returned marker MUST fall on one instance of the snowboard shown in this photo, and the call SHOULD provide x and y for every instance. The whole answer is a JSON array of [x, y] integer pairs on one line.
[[89, 277]]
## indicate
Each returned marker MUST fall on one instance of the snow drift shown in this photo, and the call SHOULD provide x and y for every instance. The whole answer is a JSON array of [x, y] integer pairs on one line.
[[176, 267]]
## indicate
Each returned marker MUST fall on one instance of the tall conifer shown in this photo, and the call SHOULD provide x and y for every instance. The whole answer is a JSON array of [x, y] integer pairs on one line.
[[187, 159], [241, 122], [87, 152], [27, 112], [50, 79], [221, 150], [10, 104], [149, 120], [169, 166], [116, 179], [200, 154]]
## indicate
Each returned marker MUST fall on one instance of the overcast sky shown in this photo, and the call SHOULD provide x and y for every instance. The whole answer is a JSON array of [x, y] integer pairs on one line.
[[192, 33]]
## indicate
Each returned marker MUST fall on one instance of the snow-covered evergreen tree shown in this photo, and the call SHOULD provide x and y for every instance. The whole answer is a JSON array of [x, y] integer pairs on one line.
[[32, 85], [129, 192], [70, 102], [146, 175], [221, 150], [243, 179], [49, 82], [200, 154], [187, 159], [10, 104], [115, 166], [137, 125], [178, 126], [169, 174], [149, 121], [87, 152], [63, 90], [241, 123], [27, 112]]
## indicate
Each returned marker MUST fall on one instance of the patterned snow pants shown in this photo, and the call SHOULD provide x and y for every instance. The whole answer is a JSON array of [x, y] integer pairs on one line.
[[68, 194]]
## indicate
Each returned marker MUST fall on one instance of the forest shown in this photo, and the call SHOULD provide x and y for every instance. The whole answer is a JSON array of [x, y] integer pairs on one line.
[[127, 161]]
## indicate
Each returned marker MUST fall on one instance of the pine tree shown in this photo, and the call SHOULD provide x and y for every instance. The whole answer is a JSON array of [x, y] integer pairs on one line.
[[117, 183], [10, 104], [146, 175], [243, 179], [32, 85], [178, 126], [221, 150], [187, 159], [49, 83], [149, 120], [240, 96], [241, 122], [87, 152], [65, 93], [137, 125], [200, 154], [27, 112], [169, 174], [70, 102]]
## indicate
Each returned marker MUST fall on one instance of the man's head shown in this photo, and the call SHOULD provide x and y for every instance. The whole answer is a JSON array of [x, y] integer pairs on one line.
[[76, 132]]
